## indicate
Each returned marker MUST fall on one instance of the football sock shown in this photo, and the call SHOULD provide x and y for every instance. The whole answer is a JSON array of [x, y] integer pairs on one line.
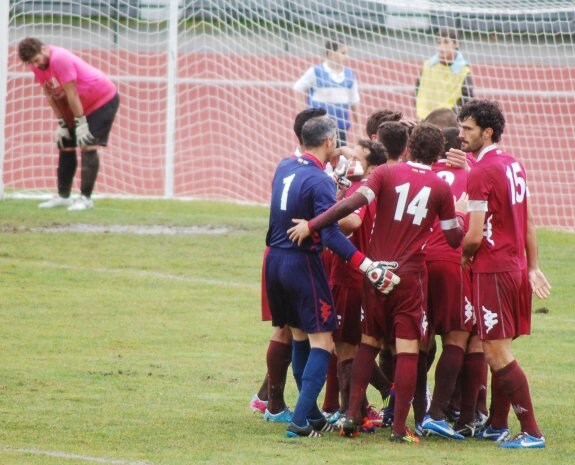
[[313, 379], [278, 360], [446, 373], [420, 397], [500, 403], [386, 363], [361, 372], [481, 405], [514, 383], [263, 392], [471, 382], [331, 397], [405, 381], [431, 353], [344, 377], [300, 353], [90, 167], [379, 381], [67, 164]]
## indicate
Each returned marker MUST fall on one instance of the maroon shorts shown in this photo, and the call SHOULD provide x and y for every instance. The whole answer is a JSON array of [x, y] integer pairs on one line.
[[502, 305], [449, 304], [400, 314], [347, 302], [266, 312]]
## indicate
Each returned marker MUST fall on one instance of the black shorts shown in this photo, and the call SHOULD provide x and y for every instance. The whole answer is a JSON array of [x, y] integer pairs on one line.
[[100, 123]]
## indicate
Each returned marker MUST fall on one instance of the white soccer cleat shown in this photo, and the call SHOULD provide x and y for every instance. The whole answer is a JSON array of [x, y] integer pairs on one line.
[[56, 201], [81, 203]]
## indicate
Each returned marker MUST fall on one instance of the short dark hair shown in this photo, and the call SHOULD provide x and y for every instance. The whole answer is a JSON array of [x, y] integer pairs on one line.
[[378, 117], [447, 33], [28, 48], [393, 135], [333, 44], [486, 114], [442, 118], [377, 153], [303, 116], [452, 139], [316, 130], [426, 143]]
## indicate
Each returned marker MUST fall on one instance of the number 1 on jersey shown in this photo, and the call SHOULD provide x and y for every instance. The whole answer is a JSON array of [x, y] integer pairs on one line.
[[287, 183], [417, 207]]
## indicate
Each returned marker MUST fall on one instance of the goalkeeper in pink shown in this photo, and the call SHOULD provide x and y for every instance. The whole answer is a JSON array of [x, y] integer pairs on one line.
[[85, 102]]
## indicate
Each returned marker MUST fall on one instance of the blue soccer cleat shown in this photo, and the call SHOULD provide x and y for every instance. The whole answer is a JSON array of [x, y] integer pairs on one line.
[[281, 417], [439, 428], [523, 441], [493, 434], [294, 431]]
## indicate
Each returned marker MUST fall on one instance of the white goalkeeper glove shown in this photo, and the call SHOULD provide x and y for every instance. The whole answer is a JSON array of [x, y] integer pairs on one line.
[[62, 133], [339, 173], [379, 275], [83, 135]]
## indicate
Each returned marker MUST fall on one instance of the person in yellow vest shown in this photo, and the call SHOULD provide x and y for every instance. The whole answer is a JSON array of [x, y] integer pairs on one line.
[[445, 80]]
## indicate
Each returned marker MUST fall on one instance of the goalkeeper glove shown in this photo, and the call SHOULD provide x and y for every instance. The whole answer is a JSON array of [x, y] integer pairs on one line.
[[62, 133], [379, 275], [83, 135], [339, 173]]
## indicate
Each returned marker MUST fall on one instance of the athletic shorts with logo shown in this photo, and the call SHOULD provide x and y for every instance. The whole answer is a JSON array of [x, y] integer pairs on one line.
[[348, 308]]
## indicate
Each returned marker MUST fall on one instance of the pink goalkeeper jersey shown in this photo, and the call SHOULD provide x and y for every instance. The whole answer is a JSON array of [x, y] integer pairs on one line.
[[410, 196], [437, 246], [497, 186], [94, 87]]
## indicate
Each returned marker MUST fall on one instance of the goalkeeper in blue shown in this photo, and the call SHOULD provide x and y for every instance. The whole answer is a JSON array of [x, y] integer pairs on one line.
[[296, 282]]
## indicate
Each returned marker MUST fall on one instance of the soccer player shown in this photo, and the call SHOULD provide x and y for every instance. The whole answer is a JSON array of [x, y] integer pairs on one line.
[[333, 86], [85, 102], [296, 282], [270, 400], [379, 117], [501, 248], [409, 198], [393, 135], [445, 80]]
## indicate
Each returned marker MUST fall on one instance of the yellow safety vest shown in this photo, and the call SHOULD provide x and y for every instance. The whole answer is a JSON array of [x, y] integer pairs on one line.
[[439, 87]]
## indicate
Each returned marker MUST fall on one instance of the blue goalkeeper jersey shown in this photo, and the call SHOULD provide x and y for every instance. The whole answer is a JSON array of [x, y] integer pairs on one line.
[[301, 189]]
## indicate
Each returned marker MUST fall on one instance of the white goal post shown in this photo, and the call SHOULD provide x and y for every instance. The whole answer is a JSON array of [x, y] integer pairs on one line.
[[207, 104]]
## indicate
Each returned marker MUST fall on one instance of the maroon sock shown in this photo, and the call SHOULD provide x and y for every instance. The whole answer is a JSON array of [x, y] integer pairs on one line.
[[471, 382], [500, 404], [514, 384], [263, 392], [361, 372], [420, 397], [386, 363], [405, 381], [446, 373], [455, 401], [344, 377], [331, 397], [379, 381], [481, 405], [278, 360]]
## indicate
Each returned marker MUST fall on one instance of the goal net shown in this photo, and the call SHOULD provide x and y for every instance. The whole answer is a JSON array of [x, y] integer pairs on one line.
[[207, 103]]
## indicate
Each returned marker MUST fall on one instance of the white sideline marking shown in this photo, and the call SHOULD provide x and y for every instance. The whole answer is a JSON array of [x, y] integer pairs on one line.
[[146, 274], [65, 455]]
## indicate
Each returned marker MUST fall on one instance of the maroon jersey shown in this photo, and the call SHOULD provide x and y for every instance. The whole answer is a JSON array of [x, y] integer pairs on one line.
[[409, 198], [342, 274], [497, 186], [437, 246]]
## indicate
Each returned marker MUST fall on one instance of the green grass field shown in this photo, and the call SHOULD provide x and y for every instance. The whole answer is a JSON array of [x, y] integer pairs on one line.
[[129, 348]]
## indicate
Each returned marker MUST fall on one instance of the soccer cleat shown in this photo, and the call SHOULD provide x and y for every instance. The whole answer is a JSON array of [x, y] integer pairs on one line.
[[441, 428], [419, 430], [351, 428], [281, 417], [387, 413], [322, 425], [294, 431], [452, 416], [332, 417], [258, 405], [467, 431], [523, 441], [81, 203], [56, 201], [373, 416], [493, 434], [408, 437], [480, 419]]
